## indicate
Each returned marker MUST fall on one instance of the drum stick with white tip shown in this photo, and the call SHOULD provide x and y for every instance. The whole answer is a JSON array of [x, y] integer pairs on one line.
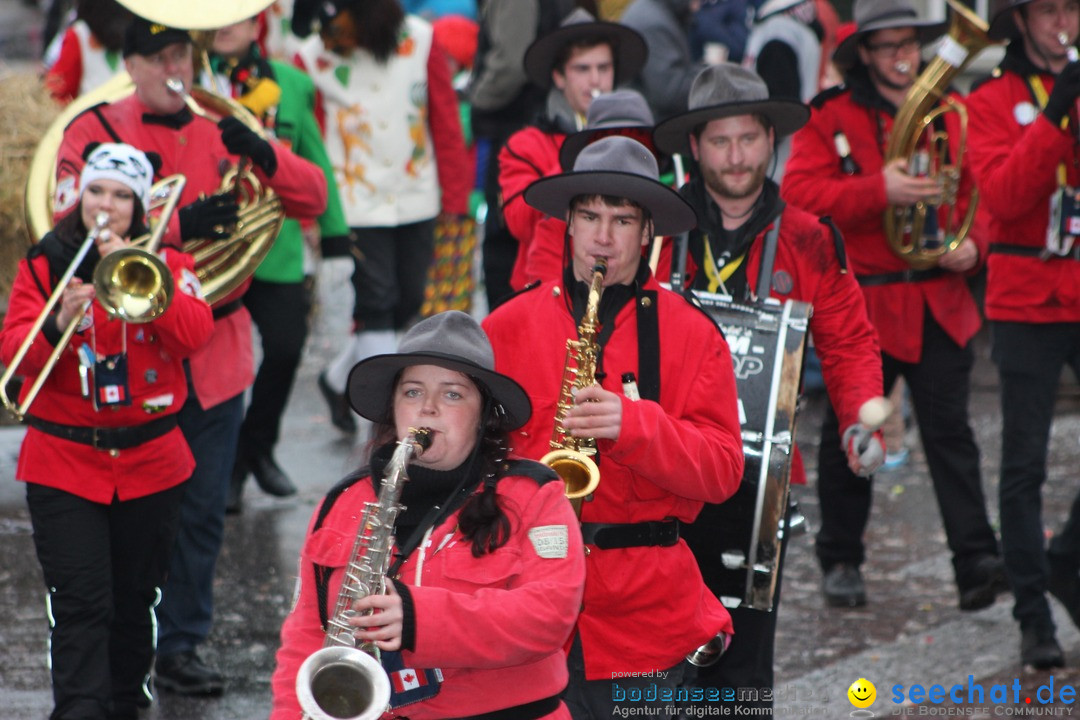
[[872, 415]]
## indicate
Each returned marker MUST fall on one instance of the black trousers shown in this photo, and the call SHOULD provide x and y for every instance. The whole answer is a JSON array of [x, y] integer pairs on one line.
[[103, 565], [1030, 358], [939, 386], [600, 699], [747, 665], [391, 274], [500, 248], [280, 312]]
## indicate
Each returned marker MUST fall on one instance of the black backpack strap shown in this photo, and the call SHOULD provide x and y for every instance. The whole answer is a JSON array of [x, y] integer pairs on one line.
[[838, 241], [531, 469]]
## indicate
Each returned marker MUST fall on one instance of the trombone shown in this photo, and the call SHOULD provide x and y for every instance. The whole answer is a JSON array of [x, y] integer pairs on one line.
[[132, 284]]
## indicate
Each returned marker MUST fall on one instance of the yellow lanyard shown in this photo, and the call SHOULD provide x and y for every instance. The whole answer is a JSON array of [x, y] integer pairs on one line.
[[1041, 96], [718, 274]]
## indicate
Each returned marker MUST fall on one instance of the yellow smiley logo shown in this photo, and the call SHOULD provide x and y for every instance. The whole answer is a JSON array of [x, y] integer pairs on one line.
[[862, 693]]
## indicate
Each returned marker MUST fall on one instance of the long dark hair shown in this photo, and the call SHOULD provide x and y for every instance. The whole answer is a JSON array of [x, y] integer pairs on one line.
[[482, 520], [71, 229], [378, 26]]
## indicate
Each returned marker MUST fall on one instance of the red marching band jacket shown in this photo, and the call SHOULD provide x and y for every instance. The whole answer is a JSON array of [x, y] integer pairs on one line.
[[495, 625], [530, 154], [807, 269], [644, 607], [224, 367], [156, 383], [814, 181], [1015, 153]]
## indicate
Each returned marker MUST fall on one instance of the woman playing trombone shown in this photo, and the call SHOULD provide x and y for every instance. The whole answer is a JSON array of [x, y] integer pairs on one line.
[[489, 567], [103, 460]]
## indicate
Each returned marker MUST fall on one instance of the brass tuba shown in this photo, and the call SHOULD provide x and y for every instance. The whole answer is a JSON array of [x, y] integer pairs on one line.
[[222, 265], [913, 233], [571, 457]]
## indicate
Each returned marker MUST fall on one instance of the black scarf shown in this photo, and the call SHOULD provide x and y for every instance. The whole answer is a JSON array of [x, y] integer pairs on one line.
[[61, 252], [728, 244]]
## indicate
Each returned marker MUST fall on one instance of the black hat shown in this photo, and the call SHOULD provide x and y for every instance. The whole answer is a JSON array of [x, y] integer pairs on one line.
[[620, 167], [451, 340], [873, 15], [628, 47], [1002, 25], [143, 37], [725, 90]]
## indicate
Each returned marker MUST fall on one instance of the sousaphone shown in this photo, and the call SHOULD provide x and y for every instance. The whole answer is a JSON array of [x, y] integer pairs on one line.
[[221, 265]]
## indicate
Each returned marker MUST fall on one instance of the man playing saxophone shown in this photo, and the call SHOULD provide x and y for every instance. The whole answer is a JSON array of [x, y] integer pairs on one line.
[[1024, 154], [662, 411], [925, 318], [156, 118], [488, 565]]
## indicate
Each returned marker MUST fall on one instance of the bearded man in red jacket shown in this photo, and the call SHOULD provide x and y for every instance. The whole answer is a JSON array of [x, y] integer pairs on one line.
[[662, 412], [1024, 153], [925, 318]]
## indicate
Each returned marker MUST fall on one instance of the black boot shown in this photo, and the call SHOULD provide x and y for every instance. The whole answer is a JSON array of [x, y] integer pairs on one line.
[[1039, 648], [271, 478], [340, 414], [184, 673], [843, 586], [982, 582]]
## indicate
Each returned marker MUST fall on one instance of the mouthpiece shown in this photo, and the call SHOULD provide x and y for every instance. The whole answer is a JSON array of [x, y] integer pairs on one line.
[[175, 85], [1070, 50], [421, 438], [595, 92], [903, 67]]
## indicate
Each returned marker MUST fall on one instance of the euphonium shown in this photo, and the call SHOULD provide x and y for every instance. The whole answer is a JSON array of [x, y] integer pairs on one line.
[[913, 232], [342, 681], [571, 457]]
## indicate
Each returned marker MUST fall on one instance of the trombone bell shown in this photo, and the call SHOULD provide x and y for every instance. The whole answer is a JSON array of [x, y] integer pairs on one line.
[[133, 285]]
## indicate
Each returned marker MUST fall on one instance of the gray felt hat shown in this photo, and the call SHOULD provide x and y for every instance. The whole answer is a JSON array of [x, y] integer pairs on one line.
[[451, 340], [613, 113], [725, 90], [619, 167], [873, 15]]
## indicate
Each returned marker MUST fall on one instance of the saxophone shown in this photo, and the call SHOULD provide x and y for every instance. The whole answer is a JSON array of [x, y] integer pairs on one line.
[[342, 681], [571, 457]]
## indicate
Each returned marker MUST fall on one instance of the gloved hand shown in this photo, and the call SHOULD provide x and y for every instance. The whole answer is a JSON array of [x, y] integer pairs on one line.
[[212, 218], [1063, 96], [239, 139], [865, 449]]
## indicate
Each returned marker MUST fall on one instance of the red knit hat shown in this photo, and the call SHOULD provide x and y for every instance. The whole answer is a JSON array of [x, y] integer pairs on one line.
[[457, 35]]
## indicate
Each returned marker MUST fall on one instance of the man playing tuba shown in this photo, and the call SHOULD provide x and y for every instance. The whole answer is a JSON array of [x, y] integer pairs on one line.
[[155, 118], [925, 318], [1024, 154]]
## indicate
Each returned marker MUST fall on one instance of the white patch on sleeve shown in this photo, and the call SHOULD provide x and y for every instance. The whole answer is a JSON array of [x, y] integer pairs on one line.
[[550, 541], [188, 283], [66, 195]]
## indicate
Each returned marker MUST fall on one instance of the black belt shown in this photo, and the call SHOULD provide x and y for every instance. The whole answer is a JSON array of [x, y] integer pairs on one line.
[[909, 275], [525, 711], [1035, 252], [106, 438], [227, 309], [606, 536]]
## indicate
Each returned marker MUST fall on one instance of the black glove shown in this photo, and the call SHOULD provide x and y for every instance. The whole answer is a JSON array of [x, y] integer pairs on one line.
[[1063, 96], [336, 246], [212, 218], [239, 139]]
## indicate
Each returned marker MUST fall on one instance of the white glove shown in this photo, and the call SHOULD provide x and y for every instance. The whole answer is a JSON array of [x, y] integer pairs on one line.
[[865, 449]]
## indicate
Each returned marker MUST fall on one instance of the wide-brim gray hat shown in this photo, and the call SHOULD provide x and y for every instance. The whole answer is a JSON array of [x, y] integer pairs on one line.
[[726, 90], [618, 167], [451, 340], [629, 49], [873, 15], [613, 113], [1002, 24]]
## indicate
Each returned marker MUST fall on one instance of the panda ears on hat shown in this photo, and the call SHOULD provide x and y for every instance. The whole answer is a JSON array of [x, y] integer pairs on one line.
[[153, 157]]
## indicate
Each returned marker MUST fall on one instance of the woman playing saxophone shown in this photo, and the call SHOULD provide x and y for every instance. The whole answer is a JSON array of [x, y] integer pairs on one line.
[[486, 581]]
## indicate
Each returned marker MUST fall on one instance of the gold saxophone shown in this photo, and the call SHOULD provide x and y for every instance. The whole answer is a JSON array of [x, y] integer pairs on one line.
[[907, 231], [571, 457]]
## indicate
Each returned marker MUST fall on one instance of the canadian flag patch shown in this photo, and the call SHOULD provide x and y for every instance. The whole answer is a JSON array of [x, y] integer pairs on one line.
[[412, 678]]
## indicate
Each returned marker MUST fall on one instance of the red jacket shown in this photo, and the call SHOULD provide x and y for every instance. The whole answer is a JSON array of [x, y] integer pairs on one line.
[[530, 154], [1016, 166], [814, 181], [495, 625], [155, 352], [225, 366], [645, 607], [807, 269]]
